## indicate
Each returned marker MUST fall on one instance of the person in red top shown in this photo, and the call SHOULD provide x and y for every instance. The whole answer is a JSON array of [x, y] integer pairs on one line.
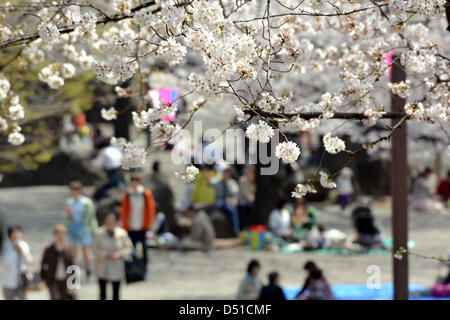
[[443, 189], [137, 212]]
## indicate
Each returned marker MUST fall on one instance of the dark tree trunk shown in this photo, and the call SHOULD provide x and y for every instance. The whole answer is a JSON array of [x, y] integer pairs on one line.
[[122, 123], [268, 193], [399, 189], [269, 190]]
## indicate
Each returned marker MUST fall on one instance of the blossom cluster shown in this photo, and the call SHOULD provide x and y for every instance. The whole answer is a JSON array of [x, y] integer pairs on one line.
[[333, 145], [109, 114], [326, 181], [261, 132], [288, 151], [401, 89], [302, 189], [54, 74], [188, 175]]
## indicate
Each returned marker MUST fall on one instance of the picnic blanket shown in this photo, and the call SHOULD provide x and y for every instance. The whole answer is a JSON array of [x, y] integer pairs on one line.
[[296, 248], [362, 292]]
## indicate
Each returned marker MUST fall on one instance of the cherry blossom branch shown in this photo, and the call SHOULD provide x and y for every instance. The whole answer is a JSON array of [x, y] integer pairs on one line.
[[401, 251], [67, 29], [318, 115], [312, 14], [353, 154]]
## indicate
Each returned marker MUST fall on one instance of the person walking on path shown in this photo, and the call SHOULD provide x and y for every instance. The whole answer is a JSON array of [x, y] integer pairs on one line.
[[112, 247], [345, 187], [16, 259], [137, 213], [81, 223], [56, 259]]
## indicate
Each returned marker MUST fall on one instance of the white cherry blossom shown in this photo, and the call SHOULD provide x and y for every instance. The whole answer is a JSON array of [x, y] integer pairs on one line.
[[302, 189], [171, 51], [109, 114], [133, 156], [188, 175], [326, 181], [288, 151], [16, 112], [15, 137], [3, 124], [48, 32], [261, 132], [333, 145]]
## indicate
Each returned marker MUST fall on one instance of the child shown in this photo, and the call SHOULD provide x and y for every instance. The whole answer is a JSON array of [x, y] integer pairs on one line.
[[316, 239]]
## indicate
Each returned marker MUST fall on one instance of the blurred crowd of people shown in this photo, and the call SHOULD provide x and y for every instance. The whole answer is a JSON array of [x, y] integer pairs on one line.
[[108, 242], [106, 247], [297, 222]]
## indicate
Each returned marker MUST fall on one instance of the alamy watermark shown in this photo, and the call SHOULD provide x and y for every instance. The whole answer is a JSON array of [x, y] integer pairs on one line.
[[74, 280], [374, 279]]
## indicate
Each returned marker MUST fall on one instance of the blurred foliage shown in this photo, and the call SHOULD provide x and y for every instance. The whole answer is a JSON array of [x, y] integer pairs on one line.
[[44, 110]]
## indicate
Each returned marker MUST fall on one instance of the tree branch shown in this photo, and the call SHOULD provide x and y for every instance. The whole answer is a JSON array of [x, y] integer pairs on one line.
[[316, 115], [114, 18]]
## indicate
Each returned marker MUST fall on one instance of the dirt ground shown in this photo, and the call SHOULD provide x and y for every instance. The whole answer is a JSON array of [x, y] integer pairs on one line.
[[176, 275]]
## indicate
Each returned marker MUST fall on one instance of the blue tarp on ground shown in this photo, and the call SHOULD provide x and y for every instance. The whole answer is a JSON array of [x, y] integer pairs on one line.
[[362, 292]]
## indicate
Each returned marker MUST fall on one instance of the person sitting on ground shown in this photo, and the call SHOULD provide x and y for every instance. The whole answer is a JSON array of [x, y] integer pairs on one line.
[[319, 289], [367, 234], [316, 239], [304, 219], [250, 286], [315, 284], [56, 259], [202, 234], [247, 192], [203, 192], [158, 228], [226, 198], [443, 190], [423, 193], [280, 221], [159, 225], [308, 267], [273, 291]]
